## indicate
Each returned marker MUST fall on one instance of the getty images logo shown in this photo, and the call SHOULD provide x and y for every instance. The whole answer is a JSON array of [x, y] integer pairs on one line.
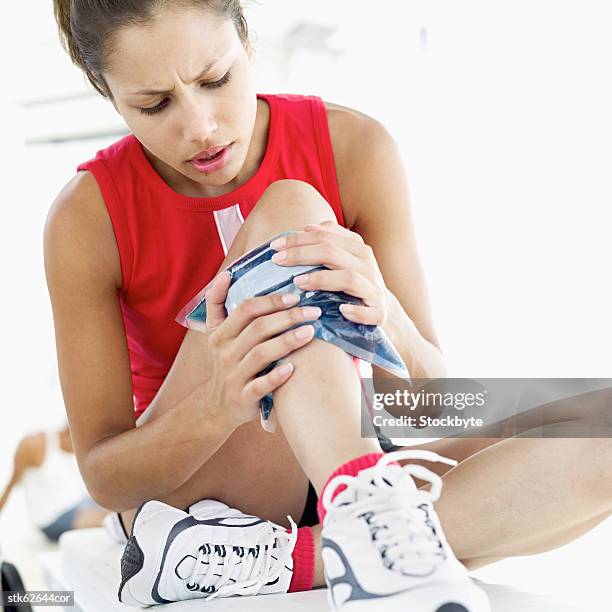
[[428, 399]]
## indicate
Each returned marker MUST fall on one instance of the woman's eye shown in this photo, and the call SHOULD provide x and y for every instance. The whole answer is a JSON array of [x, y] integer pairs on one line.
[[210, 85], [155, 109], [222, 81]]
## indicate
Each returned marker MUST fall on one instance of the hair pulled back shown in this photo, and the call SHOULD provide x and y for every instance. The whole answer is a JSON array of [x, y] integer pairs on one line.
[[87, 27]]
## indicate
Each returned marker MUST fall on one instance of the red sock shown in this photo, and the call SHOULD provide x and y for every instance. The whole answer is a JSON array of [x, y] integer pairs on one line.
[[350, 468], [303, 561]]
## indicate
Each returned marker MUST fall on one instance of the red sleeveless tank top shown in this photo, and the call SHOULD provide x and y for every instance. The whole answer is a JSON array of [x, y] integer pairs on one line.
[[171, 245]]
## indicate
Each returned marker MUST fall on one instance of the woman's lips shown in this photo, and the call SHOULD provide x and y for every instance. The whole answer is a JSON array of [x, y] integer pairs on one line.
[[208, 166]]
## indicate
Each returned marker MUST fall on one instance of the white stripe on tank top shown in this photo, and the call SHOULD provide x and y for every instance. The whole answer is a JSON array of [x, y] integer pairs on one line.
[[229, 221]]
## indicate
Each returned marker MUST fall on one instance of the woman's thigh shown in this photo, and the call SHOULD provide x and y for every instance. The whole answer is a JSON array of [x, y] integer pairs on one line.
[[458, 449]]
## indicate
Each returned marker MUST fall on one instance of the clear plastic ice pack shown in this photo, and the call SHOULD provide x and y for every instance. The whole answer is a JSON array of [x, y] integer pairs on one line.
[[254, 274]]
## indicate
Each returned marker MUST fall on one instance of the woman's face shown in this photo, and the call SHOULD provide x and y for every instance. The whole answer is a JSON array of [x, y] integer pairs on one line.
[[182, 82]]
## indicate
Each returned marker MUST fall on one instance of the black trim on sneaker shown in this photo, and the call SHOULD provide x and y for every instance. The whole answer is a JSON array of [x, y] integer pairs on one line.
[[132, 561]]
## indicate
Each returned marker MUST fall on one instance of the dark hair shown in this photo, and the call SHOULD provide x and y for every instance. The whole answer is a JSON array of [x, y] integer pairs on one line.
[[87, 27]]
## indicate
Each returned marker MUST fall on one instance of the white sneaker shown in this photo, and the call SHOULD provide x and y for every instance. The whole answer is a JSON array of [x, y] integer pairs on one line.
[[210, 508], [115, 530], [383, 546], [217, 552]]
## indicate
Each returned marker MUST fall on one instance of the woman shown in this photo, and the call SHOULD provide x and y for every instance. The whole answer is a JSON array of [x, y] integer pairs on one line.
[[209, 172], [45, 467]]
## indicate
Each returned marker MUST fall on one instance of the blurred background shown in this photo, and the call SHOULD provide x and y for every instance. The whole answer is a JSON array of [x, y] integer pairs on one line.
[[502, 113]]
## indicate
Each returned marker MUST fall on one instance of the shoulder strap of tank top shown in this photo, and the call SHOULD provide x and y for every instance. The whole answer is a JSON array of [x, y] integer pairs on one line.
[[108, 169]]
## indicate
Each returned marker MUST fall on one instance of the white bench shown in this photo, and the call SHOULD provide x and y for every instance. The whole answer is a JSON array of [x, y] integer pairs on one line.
[[87, 563]]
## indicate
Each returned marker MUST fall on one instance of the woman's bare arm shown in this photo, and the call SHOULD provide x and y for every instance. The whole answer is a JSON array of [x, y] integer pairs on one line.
[[121, 465], [29, 453]]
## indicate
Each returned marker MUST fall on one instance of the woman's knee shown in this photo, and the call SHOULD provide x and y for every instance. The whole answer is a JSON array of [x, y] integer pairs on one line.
[[290, 204], [285, 205], [324, 362]]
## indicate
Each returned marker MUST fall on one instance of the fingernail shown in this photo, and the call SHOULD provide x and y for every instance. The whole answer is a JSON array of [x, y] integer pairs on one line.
[[285, 368], [310, 312], [303, 332], [301, 280], [348, 308], [290, 298], [279, 243], [279, 256]]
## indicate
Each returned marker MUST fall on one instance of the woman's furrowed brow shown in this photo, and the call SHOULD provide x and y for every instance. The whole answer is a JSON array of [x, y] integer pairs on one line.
[[152, 92]]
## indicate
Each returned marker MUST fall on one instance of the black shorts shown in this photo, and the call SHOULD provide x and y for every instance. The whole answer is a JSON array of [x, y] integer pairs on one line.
[[65, 521], [310, 516]]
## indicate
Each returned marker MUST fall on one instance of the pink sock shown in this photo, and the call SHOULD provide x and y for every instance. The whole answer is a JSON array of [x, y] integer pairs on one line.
[[303, 561], [350, 468]]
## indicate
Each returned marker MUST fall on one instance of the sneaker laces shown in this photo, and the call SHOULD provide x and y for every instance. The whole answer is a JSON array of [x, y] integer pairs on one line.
[[398, 515], [243, 570]]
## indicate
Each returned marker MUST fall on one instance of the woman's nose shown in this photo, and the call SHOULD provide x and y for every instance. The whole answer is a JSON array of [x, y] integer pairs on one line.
[[199, 123]]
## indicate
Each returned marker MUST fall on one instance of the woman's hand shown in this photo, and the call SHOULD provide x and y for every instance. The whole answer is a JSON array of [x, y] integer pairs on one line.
[[247, 341], [354, 269]]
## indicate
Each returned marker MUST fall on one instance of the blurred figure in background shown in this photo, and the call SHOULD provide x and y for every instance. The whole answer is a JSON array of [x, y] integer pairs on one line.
[[45, 466]]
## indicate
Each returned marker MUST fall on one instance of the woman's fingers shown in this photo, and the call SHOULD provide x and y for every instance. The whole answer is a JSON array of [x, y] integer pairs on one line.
[[253, 308], [329, 254], [348, 281], [262, 385], [265, 353], [321, 235], [267, 326], [215, 300], [368, 315]]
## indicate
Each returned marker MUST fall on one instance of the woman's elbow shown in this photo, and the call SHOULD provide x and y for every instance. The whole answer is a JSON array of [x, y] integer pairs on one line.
[[101, 488]]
